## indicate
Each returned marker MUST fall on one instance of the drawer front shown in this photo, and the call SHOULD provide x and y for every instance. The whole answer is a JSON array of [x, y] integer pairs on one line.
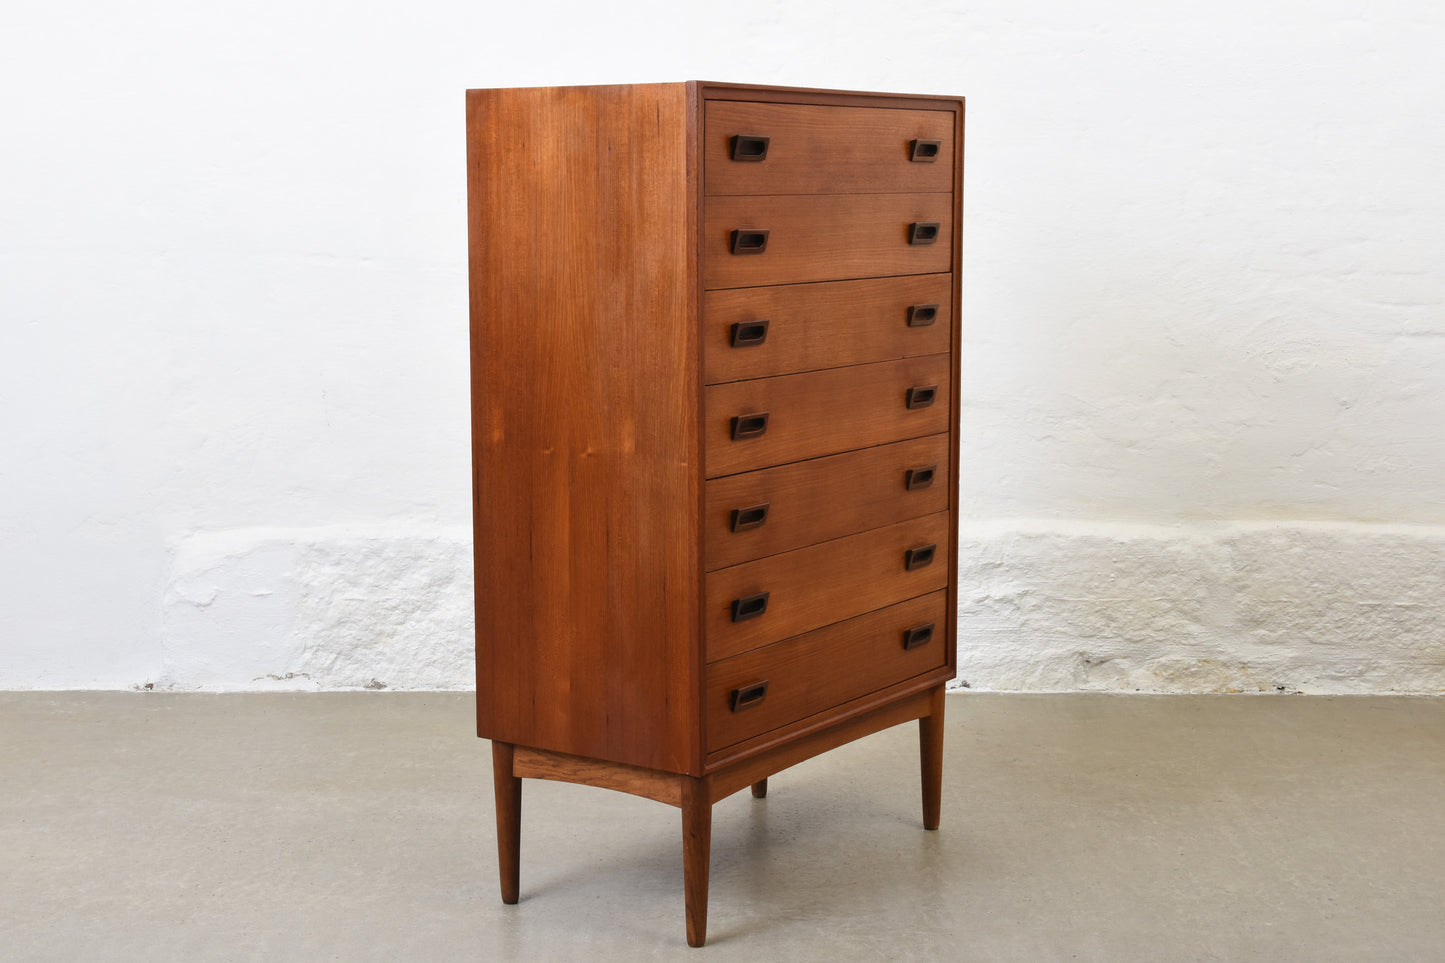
[[825, 325], [825, 150], [761, 513], [824, 237], [825, 668], [823, 413], [822, 584]]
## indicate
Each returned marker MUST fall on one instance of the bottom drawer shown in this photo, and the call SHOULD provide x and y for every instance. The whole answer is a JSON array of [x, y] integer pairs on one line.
[[769, 687]]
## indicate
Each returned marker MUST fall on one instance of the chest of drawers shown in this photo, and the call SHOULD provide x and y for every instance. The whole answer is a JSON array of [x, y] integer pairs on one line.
[[714, 350]]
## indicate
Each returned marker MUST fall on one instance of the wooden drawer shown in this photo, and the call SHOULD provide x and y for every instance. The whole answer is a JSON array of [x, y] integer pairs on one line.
[[760, 332], [822, 413], [817, 671], [822, 584], [761, 513], [824, 237], [825, 150]]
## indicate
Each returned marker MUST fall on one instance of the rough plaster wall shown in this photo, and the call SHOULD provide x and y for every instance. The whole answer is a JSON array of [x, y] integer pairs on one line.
[[313, 608], [1204, 366], [1238, 607]]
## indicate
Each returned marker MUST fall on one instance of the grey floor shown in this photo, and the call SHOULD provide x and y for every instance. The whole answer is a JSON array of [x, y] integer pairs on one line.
[[1076, 827]]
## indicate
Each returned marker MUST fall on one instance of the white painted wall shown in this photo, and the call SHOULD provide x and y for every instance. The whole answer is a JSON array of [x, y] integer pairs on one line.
[[1204, 383]]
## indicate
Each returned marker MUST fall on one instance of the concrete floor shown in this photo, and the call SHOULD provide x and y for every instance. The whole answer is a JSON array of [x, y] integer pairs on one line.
[[358, 826]]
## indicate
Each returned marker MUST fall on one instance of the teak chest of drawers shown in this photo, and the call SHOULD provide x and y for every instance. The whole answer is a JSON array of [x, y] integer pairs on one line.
[[714, 336]]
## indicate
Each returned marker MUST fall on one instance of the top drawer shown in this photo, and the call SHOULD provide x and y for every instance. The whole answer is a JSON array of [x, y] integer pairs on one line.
[[825, 150]]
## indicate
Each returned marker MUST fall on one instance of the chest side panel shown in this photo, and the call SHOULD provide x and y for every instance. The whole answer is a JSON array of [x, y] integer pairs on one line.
[[582, 224]]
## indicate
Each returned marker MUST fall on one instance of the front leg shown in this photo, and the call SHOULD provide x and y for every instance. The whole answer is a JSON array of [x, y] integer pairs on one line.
[[508, 790], [696, 851]]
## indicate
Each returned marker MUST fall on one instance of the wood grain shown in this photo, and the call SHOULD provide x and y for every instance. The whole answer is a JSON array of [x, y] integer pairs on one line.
[[814, 672], [823, 584], [586, 487], [824, 237], [824, 325], [823, 412], [825, 150], [562, 767], [823, 498]]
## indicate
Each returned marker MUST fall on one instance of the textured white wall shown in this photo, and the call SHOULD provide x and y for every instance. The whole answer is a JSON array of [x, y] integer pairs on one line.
[[1204, 429]]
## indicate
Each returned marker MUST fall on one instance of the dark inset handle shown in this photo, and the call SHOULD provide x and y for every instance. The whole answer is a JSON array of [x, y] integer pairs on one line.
[[921, 396], [916, 557], [922, 315], [924, 151], [917, 636], [756, 242], [746, 519], [916, 478], [750, 606], [747, 696], [922, 232], [750, 426], [749, 147], [749, 333]]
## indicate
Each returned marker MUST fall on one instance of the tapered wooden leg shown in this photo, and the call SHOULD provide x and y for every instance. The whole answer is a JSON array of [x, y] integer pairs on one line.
[[760, 789], [696, 850], [508, 789], [930, 752]]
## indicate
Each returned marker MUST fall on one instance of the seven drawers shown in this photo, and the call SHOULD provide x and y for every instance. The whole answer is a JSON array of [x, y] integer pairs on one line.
[[759, 332], [783, 595], [818, 150], [772, 686], [760, 513], [823, 237], [770, 421], [827, 251]]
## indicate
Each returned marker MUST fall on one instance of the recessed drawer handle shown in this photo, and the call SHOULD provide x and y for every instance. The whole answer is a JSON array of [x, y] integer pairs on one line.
[[747, 696], [749, 333], [917, 478], [916, 557], [919, 232], [921, 396], [750, 606], [750, 147], [917, 636], [922, 315], [923, 151], [750, 426], [756, 242], [746, 519]]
